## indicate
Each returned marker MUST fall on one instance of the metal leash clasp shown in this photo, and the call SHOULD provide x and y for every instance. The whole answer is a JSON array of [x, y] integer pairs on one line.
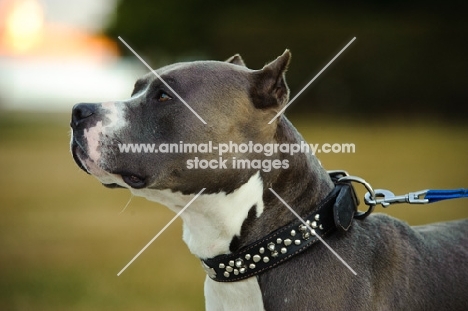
[[380, 196], [386, 197]]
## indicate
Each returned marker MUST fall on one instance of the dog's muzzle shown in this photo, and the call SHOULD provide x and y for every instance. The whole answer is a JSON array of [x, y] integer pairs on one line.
[[82, 115]]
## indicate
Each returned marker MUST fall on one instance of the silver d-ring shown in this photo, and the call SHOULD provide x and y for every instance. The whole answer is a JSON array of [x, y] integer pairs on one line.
[[361, 215]]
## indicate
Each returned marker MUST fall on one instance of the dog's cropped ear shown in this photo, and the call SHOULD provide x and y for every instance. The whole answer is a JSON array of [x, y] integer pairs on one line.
[[236, 60], [269, 89]]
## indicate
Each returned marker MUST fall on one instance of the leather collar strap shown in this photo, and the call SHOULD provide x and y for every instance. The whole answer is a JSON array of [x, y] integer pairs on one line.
[[336, 211]]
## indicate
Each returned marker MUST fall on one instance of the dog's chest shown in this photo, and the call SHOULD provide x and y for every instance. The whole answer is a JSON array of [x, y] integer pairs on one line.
[[242, 295], [210, 223]]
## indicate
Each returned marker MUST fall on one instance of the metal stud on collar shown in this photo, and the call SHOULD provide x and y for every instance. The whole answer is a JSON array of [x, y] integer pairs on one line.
[[271, 249]]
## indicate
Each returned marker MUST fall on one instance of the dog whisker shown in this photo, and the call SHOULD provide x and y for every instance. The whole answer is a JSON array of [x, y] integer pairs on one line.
[[128, 203]]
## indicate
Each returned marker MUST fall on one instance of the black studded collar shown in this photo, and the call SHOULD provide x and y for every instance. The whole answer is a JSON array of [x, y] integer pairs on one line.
[[336, 211]]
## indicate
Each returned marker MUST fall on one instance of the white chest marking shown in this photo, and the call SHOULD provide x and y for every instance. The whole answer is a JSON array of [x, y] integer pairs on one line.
[[210, 224], [212, 220], [243, 295]]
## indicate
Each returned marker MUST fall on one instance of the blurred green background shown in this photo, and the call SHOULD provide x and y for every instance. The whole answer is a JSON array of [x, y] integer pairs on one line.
[[399, 93], [409, 57]]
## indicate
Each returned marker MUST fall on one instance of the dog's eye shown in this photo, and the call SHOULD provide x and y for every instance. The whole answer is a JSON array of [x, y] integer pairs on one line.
[[163, 97]]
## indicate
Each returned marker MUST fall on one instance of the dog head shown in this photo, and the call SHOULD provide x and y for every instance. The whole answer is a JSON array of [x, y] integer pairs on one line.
[[236, 102]]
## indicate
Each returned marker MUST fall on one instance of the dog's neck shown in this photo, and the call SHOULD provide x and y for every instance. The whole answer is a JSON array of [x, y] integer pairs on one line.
[[213, 220], [221, 223], [303, 185]]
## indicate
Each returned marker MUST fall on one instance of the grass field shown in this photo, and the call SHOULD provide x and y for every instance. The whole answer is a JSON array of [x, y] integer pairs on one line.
[[63, 239]]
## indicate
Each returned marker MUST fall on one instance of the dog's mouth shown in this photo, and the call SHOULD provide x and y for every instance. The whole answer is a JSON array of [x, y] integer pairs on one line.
[[78, 152], [112, 186], [133, 180]]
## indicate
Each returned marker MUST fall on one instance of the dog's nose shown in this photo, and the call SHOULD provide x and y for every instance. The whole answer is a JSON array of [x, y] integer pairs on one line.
[[81, 112]]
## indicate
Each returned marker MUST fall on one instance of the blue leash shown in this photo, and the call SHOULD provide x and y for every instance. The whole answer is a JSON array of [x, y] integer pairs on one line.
[[439, 195]]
